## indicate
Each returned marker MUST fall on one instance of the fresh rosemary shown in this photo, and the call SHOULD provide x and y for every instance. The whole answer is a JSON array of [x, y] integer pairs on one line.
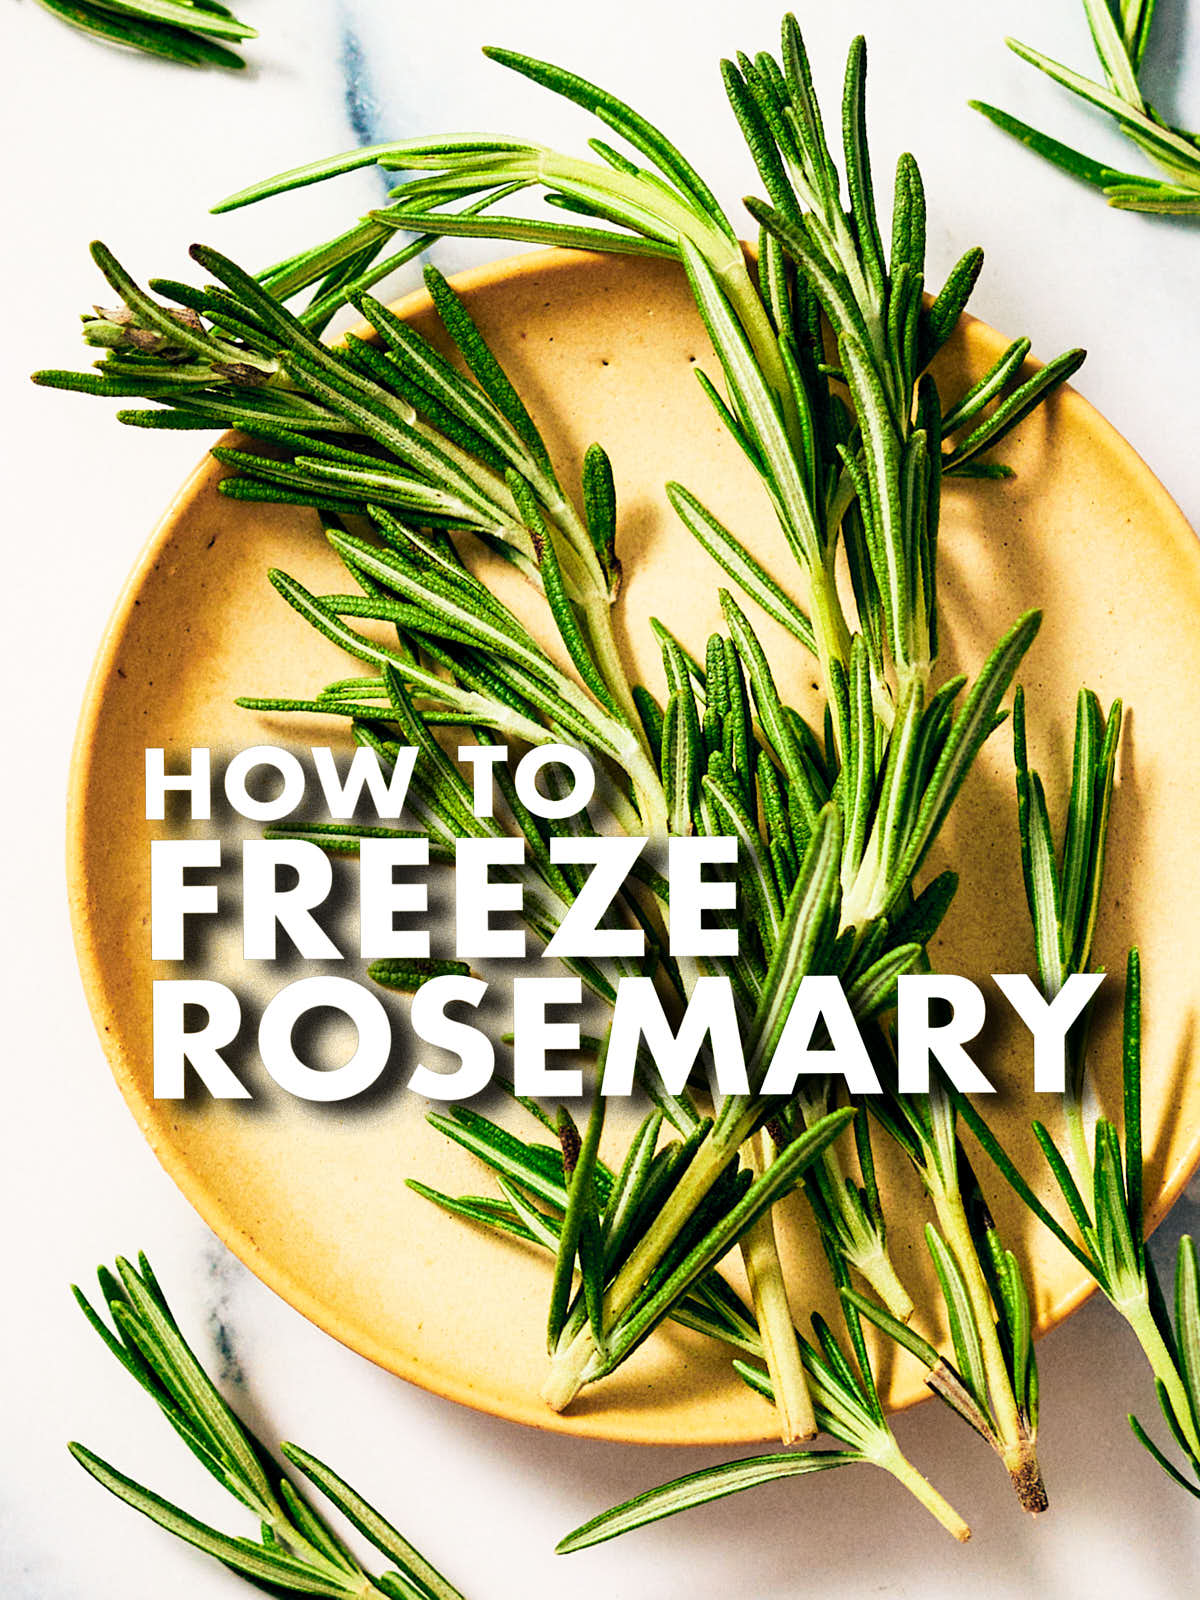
[[1101, 1184], [1120, 31], [403, 453], [195, 33], [297, 1552], [877, 483], [845, 1401]]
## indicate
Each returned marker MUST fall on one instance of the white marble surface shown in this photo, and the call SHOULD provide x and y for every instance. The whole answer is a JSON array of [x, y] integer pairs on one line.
[[97, 143]]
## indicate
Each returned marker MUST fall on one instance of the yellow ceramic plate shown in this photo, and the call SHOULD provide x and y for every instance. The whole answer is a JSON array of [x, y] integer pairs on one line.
[[312, 1198]]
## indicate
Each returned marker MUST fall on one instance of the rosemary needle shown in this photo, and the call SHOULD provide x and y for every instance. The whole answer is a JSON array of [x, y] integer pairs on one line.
[[195, 33]]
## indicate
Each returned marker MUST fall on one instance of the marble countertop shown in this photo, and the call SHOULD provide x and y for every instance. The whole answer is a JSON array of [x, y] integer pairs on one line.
[[102, 144]]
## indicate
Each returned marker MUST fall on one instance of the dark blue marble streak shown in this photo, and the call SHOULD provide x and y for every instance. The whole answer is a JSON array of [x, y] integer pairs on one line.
[[223, 1270], [361, 102]]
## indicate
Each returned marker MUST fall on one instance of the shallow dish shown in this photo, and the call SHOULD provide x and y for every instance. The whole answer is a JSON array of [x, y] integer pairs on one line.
[[312, 1198]]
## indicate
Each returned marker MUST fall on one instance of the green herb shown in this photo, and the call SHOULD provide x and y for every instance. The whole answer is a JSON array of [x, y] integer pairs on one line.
[[847, 1407], [1120, 31], [1101, 1185], [845, 1401], [991, 1382], [297, 1552], [196, 33], [834, 825], [1105, 1205]]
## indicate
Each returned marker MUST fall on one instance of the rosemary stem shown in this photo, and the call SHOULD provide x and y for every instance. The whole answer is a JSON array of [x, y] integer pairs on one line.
[[861, 1243], [768, 1289], [596, 604], [1016, 1447], [651, 801], [597, 618], [1077, 1144], [890, 1457], [568, 1365], [748, 307], [624, 813], [274, 1517], [875, 1265], [914, 674], [861, 896], [1138, 1315], [830, 627]]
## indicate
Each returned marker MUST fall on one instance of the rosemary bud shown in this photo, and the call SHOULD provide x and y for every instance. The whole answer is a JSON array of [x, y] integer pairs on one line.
[[568, 1137], [241, 374], [119, 329]]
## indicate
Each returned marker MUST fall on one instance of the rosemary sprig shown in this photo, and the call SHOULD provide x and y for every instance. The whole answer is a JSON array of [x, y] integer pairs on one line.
[[195, 33], [847, 1407], [1101, 1184], [1120, 31], [1063, 891], [992, 1380], [297, 1551], [1177, 1378], [1106, 1209], [401, 430]]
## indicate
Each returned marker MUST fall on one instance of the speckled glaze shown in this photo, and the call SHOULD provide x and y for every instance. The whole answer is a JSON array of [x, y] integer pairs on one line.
[[313, 1198]]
